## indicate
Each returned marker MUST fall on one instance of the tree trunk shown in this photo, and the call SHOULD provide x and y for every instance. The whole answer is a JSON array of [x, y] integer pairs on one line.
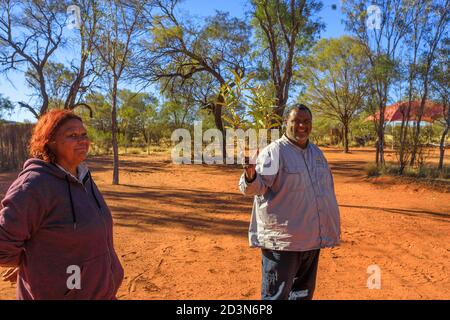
[[75, 86], [279, 110], [380, 146], [403, 137], [380, 156], [43, 90], [377, 152], [405, 122], [442, 142], [345, 136], [417, 126], [219, 123], [383, 97], [422, 105], [442, 149], [115, 180], [70, 101]]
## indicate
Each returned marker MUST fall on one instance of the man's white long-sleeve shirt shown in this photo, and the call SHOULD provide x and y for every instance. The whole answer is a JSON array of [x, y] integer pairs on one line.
[[295, 207]]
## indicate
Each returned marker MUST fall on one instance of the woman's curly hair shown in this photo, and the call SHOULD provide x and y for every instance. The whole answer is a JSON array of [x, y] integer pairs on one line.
[[44, 132]]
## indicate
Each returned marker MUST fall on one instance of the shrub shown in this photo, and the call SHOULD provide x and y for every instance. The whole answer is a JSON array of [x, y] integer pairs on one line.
[[372, 170]]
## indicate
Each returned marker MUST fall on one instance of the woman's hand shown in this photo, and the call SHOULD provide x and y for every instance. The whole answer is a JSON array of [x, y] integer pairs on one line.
[[10, 274]]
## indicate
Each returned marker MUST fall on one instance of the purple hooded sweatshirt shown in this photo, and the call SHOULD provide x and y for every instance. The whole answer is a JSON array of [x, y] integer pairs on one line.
[[58, 230]]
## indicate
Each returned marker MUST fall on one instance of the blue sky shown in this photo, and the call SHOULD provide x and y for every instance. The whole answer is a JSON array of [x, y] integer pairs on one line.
[[16, 89]]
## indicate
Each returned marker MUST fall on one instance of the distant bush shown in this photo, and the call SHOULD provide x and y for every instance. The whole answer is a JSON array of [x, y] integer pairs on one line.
[[420, 172], [428, 172], [372, 170]]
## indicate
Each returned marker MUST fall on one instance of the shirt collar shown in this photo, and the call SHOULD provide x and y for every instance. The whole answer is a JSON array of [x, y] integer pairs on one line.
[[285, 138], [82, 171]]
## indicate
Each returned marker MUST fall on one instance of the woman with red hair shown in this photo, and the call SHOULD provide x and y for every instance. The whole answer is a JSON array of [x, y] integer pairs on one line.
[[55, 227]]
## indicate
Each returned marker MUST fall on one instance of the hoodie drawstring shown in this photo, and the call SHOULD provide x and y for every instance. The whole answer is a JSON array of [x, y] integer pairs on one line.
[[92, 189], [74, 217]]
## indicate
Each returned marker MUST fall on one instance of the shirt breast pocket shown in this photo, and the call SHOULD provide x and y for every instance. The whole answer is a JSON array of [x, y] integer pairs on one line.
[[294, 178], [323, 178]]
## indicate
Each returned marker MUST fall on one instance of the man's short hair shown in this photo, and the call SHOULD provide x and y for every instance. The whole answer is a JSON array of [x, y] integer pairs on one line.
[[299, 107]]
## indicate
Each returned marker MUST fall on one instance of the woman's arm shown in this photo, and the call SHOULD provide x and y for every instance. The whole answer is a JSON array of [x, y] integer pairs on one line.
[[20, 217], [10, 274]]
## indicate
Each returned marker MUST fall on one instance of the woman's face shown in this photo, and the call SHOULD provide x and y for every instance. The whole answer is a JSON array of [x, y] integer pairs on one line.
[[71, 143]]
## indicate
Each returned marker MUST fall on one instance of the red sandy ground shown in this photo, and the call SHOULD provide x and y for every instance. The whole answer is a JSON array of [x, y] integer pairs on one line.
[[181, 232]]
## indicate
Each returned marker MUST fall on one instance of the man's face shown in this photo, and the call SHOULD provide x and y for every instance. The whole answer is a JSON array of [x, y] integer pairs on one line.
[[299, 126]]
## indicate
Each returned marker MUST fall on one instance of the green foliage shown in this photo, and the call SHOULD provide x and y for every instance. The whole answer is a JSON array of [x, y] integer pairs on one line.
[[137, 124], [362, 130], [321, 127], [136, 114], [384, 68], [334, 77], [248, 105], [162, 36], [335, 81], [99, 126], [183, 98], [101, 141], [284, 30], [6, 107]]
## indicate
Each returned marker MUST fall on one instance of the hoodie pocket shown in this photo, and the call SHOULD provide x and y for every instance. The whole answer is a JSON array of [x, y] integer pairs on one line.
[[95, 280], [72, 293]]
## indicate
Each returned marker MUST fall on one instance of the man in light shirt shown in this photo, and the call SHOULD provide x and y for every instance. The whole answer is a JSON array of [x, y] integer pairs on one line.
[[295, 212]]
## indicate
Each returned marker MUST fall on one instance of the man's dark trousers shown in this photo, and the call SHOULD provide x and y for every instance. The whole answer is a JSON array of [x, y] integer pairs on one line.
[[289, 275]]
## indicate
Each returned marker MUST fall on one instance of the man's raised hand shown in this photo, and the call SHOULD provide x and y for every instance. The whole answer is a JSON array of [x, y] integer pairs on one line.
[[250, 167]]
